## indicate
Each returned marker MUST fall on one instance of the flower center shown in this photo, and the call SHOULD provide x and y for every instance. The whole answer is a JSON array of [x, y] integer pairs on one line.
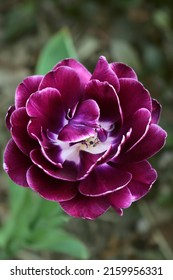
[[91, 142]]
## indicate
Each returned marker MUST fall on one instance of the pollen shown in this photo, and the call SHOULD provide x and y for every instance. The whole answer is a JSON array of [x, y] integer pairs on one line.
[[91, 142]]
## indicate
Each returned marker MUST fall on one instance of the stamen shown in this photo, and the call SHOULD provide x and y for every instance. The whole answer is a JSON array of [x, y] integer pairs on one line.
[[91, 142], [69, 114]]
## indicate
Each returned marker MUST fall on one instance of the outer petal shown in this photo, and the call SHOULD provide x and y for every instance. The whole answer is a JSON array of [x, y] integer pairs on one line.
[[103, 72], [121, 198], [83, 73], [16, 164], [104, 179], [133, 96], [107, 100], [50, 188], [156, 111], [26, 88], [143, 177], [8, 116], [67, 81], [123, 71], [46, 108], [153, 141], [85, 207], [19, 121]]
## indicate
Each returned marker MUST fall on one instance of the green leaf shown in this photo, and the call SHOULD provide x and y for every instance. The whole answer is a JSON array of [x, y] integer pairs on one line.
[[35, 223], [162, 19], [28, 211], [59, 47], [58, 240]]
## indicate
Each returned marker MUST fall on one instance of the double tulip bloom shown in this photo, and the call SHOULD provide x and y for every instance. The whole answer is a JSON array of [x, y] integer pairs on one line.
[[83, 139]]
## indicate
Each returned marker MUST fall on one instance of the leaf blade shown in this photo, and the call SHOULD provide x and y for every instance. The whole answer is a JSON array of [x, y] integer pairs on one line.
[[59, 47]]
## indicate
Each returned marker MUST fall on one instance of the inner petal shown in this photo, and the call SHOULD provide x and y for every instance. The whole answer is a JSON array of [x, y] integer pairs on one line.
[[83, 123]]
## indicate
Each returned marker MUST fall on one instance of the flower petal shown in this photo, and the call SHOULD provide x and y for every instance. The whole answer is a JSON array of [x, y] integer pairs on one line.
[[123, 71], [50, 188], [83, 124], [46, 108], [53, 154], [75, 133], [25, 89], [87, 163], [104, 72], [19, 122], [67, 82], [153, 141], [67, 173], [16, 164], [139, 124], [64, 154], [83, 73], [8, 116], [156, 111], [107, 100], [115, 148], [133, 96], [121, 198], [104, 179], [85, 207], [87, 113], [143, 177]]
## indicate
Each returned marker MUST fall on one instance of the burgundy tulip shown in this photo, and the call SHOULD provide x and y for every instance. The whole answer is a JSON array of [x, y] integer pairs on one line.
[[83, 139]]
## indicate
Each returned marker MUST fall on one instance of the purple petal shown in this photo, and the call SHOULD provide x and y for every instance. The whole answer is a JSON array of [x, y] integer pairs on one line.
[[141, 171], [82, 72], [46, 107], [121, 198], [133, 96], [82, 125], [87, 113], [115, 148], [8, 116], [50, 188], [53, 154], [123, 71], [75, 133], [19, 122], [153, 141], [85, 207], [68, 172], [87, 163], [139, 124], [26, 88], [104, 179], [104, 73], [34, 128], [63, 155], [156, 111], [16, 164], [107, 100], [143, 177], [67, 81]]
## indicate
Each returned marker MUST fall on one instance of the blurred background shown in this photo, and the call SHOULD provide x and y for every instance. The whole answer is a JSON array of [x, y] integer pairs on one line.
[[136, 32]]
